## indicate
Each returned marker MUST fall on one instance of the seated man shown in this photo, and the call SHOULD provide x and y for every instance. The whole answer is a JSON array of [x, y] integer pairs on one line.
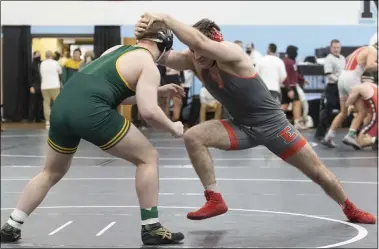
[[364, 97], [208, 103], [86, 109]]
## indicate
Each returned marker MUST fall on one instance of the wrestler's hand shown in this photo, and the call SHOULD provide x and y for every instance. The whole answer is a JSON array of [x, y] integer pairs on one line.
[[172, 90], [141, 27], [350, 110], [178, 129], [153, 17]]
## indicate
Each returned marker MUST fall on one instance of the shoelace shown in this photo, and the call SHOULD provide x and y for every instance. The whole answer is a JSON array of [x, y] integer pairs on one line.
[[164, 233], [355, 212]]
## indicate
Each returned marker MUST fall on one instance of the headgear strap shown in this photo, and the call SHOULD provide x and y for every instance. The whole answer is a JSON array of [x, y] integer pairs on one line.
[[217, 35]]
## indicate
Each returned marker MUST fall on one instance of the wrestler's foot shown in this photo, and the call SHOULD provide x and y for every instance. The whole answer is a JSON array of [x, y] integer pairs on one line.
[[351, 141], [214, 206], [9, 233], [328, 141], [356, 215], [156, 234]]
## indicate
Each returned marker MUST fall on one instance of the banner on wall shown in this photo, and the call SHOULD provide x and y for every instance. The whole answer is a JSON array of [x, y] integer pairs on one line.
[[369, 12], [84, 13]]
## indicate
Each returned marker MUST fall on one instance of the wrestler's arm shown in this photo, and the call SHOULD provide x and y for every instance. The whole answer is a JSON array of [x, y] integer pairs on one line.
[[194, 39], [179, 61], [372, 60], [147, 97]]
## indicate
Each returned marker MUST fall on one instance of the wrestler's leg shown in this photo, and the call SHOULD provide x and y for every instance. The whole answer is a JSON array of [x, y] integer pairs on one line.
[[361, 113], [292, 147], [118, 137], [220, 134], [337, 121], [59, 154]]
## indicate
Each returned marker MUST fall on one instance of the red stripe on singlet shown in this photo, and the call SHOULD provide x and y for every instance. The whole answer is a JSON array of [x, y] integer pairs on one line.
[[352, 61]]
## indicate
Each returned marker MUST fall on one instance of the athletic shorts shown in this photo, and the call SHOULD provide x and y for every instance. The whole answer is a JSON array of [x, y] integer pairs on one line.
[[346, 82], [282, 138], [285, 99], [77, 116]]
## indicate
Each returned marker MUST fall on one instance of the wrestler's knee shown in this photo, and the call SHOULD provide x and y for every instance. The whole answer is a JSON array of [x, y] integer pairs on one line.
[[192, 137], [151, 157]]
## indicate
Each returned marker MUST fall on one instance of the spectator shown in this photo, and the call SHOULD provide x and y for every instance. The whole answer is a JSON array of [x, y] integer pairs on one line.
[[57, 56], [305, 119], [35, 104], [254, 54], [239, 43], [289, 90], [208, 103], [51, 83], [71, 66], [89, 56], [272, 71], [333, 66], [188, 76], [66, 55], [173, 77], [163, 102]]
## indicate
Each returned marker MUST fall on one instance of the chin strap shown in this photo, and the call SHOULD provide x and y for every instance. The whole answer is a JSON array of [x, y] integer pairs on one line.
[[160, 57]]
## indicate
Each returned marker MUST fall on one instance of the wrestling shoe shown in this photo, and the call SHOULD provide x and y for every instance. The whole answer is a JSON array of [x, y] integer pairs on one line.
[[328, 141], [10, 234], [156, 234], [356, 215], [375, 144], [351, 141], [214, 206]]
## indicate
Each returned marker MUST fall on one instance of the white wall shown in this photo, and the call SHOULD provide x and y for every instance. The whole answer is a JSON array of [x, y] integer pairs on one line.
[[224, 13]]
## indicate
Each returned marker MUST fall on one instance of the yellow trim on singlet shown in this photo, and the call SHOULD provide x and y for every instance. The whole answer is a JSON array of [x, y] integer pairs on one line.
[[117, 137], [119, 72], [61, 149]]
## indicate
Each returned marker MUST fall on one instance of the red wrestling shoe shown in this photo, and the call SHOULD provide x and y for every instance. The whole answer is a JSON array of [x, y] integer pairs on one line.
[[214, 206], [356, 215]]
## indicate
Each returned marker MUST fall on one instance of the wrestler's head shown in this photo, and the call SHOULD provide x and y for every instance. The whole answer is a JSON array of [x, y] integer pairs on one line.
[[160, 35], [211, 30]]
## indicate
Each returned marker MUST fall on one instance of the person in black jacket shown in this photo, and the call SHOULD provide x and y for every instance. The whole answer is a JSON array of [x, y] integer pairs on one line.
[[35, 101]]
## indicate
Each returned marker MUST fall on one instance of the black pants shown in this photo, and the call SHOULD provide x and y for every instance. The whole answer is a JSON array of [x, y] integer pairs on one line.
[[184, 102], [326, 114], [35, 107]]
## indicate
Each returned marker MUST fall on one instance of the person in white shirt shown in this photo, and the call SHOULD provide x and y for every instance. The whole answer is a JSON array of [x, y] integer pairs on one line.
[[208, 103], [273, 71], [51, 72], [334, 64], [254, 54]]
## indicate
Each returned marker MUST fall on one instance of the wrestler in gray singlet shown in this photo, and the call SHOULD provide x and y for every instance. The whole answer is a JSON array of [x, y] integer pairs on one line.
[[257, 118]]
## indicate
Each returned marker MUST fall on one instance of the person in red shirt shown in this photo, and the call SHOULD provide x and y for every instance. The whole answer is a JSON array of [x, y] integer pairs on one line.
[[288, 90]]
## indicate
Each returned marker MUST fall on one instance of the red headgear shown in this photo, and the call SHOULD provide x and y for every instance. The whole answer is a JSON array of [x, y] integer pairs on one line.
[[217, 35]]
